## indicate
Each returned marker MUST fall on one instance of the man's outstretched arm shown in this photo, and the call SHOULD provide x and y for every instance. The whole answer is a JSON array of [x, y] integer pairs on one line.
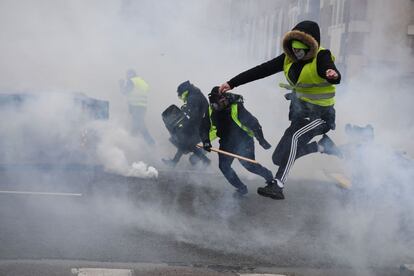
[[258, 72]]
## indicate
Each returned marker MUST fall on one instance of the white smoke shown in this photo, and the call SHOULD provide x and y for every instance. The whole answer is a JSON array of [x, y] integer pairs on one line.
[[113, 143], [87, 46]]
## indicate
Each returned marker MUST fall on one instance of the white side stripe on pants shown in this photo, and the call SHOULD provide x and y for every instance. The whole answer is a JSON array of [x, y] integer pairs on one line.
[[294, 142]]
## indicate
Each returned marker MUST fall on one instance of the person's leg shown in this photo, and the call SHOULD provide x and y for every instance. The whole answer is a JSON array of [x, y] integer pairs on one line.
[[282, 148], [138, 123], [173, 162], [305, 149], [177, 156], [297, 138], [228, 172], [200, 155], [247, 150], [327, 146], [292, 145], [134, 121], [147, 136]]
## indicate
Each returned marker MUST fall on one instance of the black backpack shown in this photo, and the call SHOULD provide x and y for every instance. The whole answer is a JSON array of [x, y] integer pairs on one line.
[[174, 119], [177, 124]]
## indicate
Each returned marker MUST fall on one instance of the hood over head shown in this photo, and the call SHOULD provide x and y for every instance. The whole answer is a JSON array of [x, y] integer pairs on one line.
[[306, 32], [184, 86], [131, 73]]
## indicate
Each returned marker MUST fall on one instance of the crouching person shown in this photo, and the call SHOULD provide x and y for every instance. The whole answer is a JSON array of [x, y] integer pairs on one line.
[[184, 124], [236, 127]]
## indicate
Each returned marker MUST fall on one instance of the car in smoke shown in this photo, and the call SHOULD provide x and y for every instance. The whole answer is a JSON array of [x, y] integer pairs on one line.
[[90, 107]]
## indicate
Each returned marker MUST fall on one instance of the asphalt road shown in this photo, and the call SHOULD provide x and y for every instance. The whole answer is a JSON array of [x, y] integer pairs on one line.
[[190, 220]]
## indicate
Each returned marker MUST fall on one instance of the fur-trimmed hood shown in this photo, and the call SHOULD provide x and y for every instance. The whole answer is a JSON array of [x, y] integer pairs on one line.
[[308, 33], [185, 86]]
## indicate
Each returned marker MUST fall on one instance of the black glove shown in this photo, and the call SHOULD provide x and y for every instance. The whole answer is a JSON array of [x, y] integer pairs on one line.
[[265, 144], [207, 146]]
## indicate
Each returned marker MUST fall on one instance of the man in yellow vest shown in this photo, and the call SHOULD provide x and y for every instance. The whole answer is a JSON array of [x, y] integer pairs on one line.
[[136, 90], [228, 119], [311, 75]]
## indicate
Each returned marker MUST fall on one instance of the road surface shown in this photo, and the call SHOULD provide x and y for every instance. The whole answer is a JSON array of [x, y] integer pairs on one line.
[[188, 222]]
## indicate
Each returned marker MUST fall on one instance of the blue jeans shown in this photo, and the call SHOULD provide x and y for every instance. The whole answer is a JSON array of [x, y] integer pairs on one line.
[[246, 149]]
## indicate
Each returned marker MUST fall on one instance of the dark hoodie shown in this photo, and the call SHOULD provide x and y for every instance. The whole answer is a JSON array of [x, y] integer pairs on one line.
[[228, 131], [307, 32], [195, 105]]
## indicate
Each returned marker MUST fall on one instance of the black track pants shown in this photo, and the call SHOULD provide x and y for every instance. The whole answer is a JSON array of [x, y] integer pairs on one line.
[[295, 143], [245, 149]]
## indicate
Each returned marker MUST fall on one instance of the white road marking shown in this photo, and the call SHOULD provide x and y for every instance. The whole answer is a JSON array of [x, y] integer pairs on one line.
[[101, 272], [38, 193]]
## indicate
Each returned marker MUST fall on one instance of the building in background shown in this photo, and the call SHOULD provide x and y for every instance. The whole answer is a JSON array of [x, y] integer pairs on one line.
[[360, 33]]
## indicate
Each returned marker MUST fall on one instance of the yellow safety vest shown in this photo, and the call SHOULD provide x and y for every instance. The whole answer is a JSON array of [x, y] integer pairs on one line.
[[310, 87], [234, 117], [139, 94]]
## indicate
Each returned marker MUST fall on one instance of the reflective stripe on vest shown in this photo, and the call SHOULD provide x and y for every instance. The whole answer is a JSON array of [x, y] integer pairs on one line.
[[310, 87], [235, 117], [308, 95], [139, 95]]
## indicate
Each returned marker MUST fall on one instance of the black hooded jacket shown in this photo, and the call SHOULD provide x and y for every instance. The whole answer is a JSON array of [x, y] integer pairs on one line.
[[229, 132], [195, 106]]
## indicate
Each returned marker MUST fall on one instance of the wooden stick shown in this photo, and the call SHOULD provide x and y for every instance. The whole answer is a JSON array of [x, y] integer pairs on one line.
[[230, 154]]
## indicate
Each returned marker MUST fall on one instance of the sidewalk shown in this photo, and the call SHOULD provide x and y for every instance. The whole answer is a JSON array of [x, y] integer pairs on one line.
[[85, 268]]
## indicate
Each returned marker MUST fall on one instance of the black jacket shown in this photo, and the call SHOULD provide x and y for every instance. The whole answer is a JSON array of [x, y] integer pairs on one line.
[[227, 129], [195, 107]]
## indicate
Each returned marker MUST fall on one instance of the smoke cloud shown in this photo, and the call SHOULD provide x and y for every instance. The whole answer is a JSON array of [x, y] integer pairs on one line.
[[54, 49]]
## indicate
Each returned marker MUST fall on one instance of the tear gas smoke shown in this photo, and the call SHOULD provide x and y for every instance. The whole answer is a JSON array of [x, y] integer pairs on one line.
[[87, 46]]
